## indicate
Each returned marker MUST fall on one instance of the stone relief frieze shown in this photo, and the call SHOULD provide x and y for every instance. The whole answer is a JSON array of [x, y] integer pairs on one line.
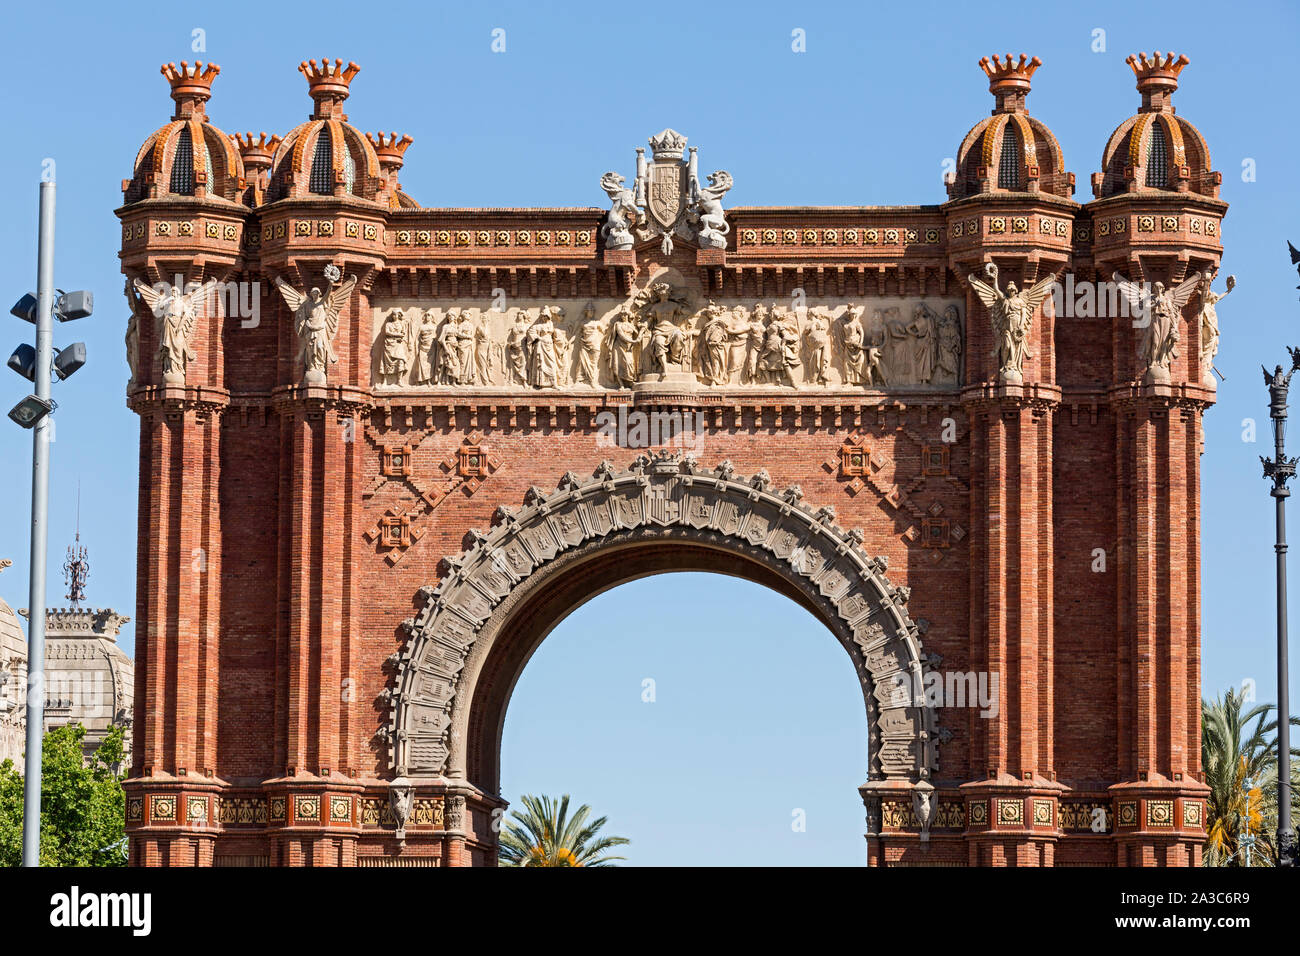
[[662, 333]]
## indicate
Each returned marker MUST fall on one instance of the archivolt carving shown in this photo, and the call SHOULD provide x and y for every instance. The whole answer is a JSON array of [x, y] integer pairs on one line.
[[664, 491]]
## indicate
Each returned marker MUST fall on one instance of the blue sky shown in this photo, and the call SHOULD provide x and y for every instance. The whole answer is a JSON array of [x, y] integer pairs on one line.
[[714, 768]]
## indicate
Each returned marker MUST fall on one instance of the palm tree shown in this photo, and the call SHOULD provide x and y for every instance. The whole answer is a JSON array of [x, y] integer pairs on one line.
[[1240, 765], [545, 835]]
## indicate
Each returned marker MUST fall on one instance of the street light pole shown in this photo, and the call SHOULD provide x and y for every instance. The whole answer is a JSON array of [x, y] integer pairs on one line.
[[1280, 469], [40, 510]]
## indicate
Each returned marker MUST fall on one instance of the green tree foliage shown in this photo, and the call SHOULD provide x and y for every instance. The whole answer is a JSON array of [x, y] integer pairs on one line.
[[545, 835], [82, 807], [1240, 761]]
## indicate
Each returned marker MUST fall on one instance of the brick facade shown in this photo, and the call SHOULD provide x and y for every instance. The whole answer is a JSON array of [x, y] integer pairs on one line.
[[292, 532]]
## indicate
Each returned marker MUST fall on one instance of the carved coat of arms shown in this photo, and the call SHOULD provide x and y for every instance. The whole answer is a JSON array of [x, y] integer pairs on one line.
[[668, 189]]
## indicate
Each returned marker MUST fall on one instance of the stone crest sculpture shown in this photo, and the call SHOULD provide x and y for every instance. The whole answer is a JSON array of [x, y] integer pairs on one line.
[[1012, 313], [708, 215], [177, 314], [1161, 310], [666, 200], [316, 321], [623, 213], [1209, 322]]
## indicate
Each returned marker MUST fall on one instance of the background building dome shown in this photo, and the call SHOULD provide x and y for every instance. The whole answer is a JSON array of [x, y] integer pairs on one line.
[[189, 156], [1010, 152], [325, 156], [1156, 151]]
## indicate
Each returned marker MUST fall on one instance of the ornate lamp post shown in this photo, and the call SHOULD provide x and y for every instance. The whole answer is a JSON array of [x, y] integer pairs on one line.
[[1281, 469]]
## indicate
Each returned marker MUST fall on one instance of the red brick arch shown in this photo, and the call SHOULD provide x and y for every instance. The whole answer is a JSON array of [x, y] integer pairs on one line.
[[502, 596]]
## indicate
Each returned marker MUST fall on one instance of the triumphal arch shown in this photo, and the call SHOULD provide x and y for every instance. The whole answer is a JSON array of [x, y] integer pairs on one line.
[[386, 447]]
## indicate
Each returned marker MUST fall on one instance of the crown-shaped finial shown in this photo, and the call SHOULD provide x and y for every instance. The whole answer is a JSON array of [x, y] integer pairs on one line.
[[1009, 80], [389, 149], [256, 152], [668, 145], [328, 83], [191, 85], [1159, 74]]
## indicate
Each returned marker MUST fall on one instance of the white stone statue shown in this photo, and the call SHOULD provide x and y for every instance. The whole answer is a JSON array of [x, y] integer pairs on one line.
[[1209, 322], [707, 214], [623, 213], [177, 315], [132, 338], [714, 343], [316, 320], [1161, 311], [1012, 313]]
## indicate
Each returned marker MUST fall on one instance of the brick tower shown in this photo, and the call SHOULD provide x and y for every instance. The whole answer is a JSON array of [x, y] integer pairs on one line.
[[385, 448]]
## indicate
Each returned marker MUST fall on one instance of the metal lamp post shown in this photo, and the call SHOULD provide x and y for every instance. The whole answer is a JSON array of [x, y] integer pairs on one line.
[[38, 365], [1281, 469]]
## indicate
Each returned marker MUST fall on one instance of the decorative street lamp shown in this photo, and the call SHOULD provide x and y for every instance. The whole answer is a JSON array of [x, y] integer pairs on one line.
[[1281, 469], [38, 364]]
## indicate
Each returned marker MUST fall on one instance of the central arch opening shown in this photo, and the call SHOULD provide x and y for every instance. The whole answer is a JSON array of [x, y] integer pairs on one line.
[[714, 720]]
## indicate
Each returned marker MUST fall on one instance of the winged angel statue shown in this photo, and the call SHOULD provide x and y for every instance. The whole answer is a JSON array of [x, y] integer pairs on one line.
[[1012, 312], [316, 320], [1159, 310], [177, 315]]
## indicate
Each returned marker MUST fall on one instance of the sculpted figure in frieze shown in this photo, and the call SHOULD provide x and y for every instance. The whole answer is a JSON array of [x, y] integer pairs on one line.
[[780, 361], [853, 341], [1209, 322], [517, 349], [485, 357], [450, 368], [316, 320], [948, 361], [395, 359], [426, 343], [714, 342], [625, 347], [818, 336], [543, 355], [660, 310], [755, 339], [1012, 313], [177, 316], [591, 340], [1159, 310]]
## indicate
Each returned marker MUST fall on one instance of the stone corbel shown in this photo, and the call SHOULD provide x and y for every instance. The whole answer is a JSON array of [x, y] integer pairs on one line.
[[400, 797]]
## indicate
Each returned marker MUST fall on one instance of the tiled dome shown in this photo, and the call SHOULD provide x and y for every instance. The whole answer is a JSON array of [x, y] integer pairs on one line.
[[1156, 150], [189, 156], [326, 155], [1010, 151]]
